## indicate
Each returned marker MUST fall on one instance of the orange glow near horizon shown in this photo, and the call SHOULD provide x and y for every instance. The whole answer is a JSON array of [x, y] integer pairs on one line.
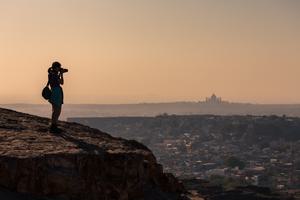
[[152, 50]]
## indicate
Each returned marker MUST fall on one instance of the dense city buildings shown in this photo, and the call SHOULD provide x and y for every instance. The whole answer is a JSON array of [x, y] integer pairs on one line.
[[238, 150]]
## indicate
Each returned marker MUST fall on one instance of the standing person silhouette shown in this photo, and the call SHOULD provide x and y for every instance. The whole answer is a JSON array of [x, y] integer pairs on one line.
[[55, 80]]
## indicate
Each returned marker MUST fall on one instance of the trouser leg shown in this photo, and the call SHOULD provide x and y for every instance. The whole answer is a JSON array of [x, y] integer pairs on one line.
[[56, 110]]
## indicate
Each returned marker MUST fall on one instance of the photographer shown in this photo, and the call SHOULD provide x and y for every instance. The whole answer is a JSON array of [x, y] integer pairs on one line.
[[55, 80]]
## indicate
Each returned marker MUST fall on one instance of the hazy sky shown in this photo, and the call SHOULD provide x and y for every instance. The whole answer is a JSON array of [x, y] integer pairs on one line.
[[127, 51]]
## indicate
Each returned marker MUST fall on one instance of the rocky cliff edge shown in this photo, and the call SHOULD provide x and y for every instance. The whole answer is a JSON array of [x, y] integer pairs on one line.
[[80, 163]]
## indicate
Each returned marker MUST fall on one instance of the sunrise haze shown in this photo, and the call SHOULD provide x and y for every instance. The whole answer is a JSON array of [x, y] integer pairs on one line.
[[152, 50]]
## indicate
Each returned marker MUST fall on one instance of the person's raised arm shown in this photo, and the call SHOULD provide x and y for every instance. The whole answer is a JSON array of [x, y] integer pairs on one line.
[[48, 83]]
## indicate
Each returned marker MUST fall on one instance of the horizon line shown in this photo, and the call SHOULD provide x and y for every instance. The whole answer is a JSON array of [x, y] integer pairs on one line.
[[167, 102]]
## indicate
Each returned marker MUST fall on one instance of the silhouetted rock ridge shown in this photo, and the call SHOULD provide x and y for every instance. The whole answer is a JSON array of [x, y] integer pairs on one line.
[[79, 163]]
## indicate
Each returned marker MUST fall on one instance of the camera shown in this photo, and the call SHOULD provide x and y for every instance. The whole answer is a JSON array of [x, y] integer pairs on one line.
[[62, 70]]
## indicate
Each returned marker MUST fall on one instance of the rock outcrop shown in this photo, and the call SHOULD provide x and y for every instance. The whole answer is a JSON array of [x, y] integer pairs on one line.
[[80, 163]]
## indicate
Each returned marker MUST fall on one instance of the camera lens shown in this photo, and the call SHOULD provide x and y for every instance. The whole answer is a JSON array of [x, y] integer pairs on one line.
[[64, 70]]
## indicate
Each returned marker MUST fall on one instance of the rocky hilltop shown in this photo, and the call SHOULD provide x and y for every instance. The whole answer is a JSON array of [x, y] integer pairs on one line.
[[80, 163]]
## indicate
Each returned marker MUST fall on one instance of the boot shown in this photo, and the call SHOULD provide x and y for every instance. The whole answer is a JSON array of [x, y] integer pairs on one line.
[[54, 129]]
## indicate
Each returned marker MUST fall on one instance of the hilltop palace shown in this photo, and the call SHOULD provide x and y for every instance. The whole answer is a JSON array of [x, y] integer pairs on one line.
[[214, 100]]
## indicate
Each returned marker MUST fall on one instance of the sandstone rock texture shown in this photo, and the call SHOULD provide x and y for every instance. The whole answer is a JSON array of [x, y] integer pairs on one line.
[[80, 163]]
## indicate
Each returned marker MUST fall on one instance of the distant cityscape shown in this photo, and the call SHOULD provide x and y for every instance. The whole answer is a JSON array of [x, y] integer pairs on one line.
[[232, 150], [211, 105]]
